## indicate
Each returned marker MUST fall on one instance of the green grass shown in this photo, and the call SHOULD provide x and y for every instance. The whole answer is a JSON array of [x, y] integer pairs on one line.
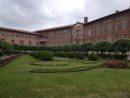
[[17, 82]]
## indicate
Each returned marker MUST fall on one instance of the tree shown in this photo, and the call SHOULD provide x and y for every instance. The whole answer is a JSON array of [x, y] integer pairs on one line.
[[67, 48], [5, 48], [87, 47], [76, 48], [122, 45], [102, 46]]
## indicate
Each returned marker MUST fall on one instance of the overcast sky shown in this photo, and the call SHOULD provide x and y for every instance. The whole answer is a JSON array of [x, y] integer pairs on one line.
[[39, 14]]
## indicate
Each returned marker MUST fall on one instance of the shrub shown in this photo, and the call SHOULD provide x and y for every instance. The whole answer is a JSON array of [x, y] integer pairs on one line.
[[63, 54], [115, 64], [119, 57], [46, 56], [71, 55], [43, 55], [80, 55], [93, 57]]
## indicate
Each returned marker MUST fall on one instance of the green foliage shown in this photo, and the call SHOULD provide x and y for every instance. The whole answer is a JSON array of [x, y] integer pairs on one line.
[[71, 55], [76, 47], [67, 48], [87, 47], [80, 55], [43, 55], [103, 46], [93, 57], [122, 45], [17, 81], [116, 56], [5, 48]]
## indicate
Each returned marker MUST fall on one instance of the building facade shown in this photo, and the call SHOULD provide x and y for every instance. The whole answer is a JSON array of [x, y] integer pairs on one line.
[[109, 28]]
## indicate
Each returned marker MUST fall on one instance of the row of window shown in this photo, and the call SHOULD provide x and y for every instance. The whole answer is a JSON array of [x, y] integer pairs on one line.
[[21, 42], [108, 21], [12, 34], [107, 29], [121, 36]]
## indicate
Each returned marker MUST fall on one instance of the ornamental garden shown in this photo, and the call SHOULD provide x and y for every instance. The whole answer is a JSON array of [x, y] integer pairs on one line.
[[99, 70]]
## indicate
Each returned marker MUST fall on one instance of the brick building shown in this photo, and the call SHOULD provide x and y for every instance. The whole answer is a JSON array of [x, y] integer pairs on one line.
[[19, 37], [109, 28]]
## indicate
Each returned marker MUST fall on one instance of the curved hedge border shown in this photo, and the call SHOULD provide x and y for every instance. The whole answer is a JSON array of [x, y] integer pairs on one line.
[[50, 64], [33, 63], [76, 69]]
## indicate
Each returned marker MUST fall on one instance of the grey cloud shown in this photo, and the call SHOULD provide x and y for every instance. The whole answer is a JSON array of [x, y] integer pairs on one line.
[[38, 14]]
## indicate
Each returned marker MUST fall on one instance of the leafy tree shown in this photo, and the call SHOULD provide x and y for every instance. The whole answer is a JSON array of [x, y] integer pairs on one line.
[[5, 48], [76, 48], [67, 48], [122, 45], [102, 46], [87, 47]]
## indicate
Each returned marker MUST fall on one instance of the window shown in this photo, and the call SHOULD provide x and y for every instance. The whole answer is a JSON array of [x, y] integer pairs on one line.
[[116, 26], [124, 36], [65, 31], [124, 25], [21, 42], [89, 32], [77, 33], [17, 35], [30, 43], [116, 36], [13, 34], [25, 36], [3, 33], [12, 41], [36, 43], [124, 17], [109, 28]]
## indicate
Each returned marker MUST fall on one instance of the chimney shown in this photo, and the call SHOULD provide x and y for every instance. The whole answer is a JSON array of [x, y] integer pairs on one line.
[[117, 11], [85, 19]]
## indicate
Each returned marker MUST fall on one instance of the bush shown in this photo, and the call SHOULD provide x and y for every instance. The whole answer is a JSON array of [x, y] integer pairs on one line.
[[46, 56], [115, 64], [80, 55], [93, 57], [63, 54], [71, 55], [43, 55], [119, 57]]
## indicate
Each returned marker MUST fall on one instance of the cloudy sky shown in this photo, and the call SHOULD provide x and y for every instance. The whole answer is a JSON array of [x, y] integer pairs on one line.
[[39, 14]]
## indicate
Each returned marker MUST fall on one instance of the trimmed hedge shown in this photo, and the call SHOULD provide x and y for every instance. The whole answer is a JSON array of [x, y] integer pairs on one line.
[[76, 69], [50, 64], [80, 55], [71, 55], [93, 57]]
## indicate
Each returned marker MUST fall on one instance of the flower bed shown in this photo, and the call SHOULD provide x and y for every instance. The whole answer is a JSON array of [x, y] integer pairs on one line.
[[8, 59], [115, 64]]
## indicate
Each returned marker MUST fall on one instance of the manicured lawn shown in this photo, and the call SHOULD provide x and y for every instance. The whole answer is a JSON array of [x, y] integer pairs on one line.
[[16, 81]]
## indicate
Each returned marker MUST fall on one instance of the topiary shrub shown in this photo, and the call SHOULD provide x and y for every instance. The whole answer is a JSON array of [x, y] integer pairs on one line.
[[57, 54], [115, 64], [93, 57], [80, 55], [43, 55], [71, 55], [46, 56], [63, 54]]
